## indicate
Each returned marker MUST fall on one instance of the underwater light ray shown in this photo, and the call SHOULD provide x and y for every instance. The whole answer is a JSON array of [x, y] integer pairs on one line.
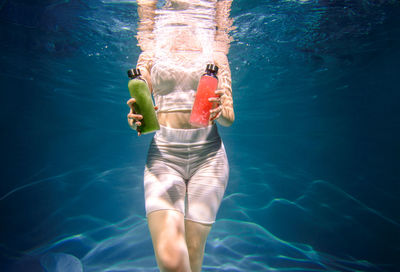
[[347, 195], [34, 183]]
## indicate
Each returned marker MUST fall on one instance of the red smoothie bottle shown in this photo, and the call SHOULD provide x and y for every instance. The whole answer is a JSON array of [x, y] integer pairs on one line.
[[200, 115]]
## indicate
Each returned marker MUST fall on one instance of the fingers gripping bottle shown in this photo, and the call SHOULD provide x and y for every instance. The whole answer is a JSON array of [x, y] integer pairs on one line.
[[139, 90], [200, 115]]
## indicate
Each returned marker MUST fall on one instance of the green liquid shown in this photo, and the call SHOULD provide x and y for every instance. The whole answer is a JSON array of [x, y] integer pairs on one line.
[[144, 105]]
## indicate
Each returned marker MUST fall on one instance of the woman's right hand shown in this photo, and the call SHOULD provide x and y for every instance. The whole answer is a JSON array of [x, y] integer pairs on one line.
[[133, 118]]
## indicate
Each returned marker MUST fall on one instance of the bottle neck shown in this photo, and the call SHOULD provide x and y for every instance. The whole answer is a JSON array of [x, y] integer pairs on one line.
[[211, 74], [136, 77]]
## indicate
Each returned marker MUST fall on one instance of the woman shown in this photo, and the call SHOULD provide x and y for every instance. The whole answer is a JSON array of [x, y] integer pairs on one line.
[[187, 170]]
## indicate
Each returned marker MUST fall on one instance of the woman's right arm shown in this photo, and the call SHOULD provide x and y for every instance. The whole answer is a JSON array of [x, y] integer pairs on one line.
[[147, 12], [145, 37]]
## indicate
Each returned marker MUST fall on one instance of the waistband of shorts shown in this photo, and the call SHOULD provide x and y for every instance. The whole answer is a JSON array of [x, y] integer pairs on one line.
[[204, 134]]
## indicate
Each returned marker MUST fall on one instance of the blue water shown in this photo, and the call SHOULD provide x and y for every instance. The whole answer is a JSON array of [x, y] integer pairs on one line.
[[314, 151]]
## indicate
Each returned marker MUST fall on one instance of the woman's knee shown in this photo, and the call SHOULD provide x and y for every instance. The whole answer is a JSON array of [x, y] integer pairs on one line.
[[195, 246], [172, 254], [196, 236], [168, 234]]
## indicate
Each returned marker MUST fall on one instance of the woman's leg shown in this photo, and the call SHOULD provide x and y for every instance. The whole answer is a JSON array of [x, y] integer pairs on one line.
[[196, 236], [167, 229], [205, 191]]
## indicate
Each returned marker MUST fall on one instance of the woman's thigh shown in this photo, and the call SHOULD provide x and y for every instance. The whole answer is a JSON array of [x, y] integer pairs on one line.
[[206, 187]]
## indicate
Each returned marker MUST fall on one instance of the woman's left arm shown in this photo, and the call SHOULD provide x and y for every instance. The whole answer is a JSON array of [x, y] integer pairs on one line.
[[224, 113]]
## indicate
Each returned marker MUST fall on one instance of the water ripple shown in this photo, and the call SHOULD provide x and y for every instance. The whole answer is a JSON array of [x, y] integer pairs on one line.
[[232, 246]]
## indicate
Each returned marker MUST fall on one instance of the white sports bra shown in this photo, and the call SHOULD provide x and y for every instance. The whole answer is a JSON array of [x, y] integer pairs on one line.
[[175, 85]]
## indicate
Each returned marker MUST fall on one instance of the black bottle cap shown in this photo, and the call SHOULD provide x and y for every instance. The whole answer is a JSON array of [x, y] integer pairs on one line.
[[132, 73], [211, 68]]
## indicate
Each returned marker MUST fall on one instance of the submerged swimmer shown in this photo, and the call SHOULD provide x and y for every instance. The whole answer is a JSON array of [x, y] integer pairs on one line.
[[187, 170]]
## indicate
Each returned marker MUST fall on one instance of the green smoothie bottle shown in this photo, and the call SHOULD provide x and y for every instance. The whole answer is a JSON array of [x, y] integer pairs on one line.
[[144, 104]]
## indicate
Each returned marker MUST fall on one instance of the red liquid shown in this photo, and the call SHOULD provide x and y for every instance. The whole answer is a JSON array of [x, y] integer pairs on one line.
[[200, 115]]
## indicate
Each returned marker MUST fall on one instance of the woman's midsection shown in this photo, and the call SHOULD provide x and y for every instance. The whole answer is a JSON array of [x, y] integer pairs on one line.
[[176, 119]]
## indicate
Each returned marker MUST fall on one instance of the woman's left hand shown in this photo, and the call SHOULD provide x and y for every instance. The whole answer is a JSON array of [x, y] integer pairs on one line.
[[216, 111]]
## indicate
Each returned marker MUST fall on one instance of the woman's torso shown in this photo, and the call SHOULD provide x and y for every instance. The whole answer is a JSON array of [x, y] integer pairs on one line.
[[183, 47], [174, 90]]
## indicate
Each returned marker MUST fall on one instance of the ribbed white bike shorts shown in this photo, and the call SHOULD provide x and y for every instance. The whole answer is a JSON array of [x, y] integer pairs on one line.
[[187, 170]]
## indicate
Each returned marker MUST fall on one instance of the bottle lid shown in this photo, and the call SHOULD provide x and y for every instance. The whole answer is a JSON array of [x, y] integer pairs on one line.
[[212, 68], [132, 73]]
